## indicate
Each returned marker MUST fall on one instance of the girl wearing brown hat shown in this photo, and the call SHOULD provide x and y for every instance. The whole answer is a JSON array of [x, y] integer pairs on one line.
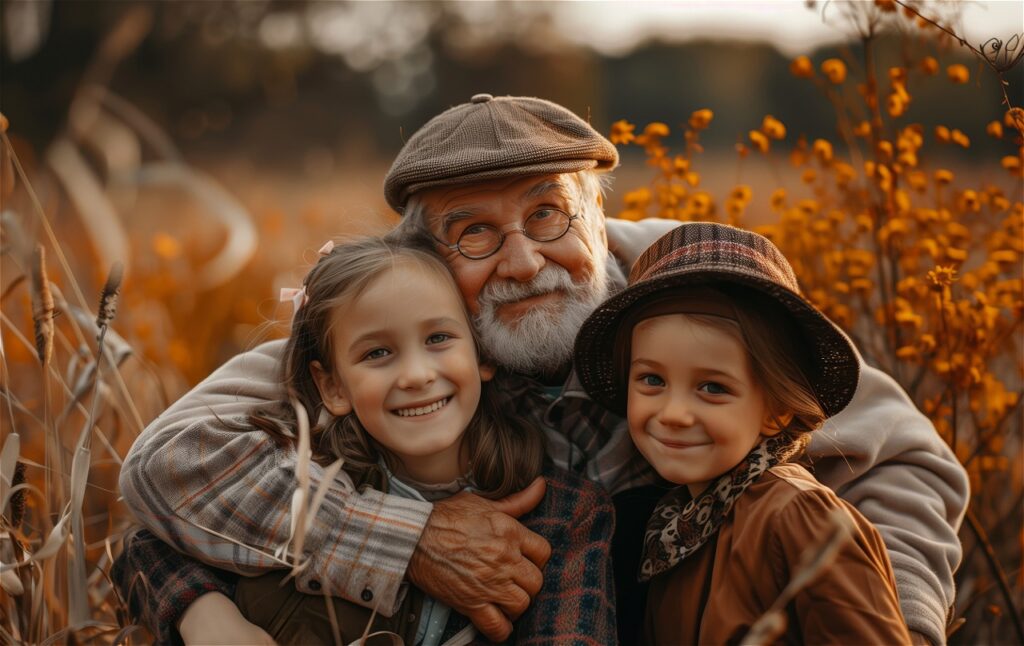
[[723, 369]]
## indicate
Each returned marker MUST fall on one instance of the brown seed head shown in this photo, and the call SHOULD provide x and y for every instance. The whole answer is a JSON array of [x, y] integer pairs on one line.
[[108, 297], [42, 306]]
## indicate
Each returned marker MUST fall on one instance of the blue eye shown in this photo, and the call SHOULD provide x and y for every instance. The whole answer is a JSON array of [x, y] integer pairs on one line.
[[713, 388], [440, 337], [651, 380], [376, 353]]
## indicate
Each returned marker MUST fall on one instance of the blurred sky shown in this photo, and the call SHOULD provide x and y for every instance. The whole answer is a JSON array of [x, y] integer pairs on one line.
[[616, 27]]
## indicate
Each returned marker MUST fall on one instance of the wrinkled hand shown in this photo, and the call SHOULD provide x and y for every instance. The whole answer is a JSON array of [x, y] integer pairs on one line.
[[477, 558], [215, 619]]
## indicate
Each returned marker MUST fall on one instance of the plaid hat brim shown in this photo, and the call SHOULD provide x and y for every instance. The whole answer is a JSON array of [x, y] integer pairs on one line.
[[834, 364]]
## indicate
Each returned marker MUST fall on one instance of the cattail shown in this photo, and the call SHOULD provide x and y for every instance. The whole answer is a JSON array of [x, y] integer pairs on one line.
[[42, 307], [108, 297], [17, 504]]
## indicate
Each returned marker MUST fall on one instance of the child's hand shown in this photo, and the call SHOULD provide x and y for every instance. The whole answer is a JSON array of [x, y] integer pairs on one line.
[[215, 619]]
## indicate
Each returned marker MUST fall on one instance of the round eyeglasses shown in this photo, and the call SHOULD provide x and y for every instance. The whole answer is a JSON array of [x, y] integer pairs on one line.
[[479, 241]]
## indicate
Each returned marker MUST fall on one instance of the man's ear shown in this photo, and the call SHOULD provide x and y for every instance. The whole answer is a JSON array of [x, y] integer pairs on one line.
[[487, 370], [331, 391]]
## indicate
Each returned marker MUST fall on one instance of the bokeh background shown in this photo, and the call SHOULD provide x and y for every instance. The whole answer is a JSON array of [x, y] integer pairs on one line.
[[211, 147]]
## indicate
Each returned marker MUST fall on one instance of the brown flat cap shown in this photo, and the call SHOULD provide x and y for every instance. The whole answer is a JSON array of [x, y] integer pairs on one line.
[[492, 137]]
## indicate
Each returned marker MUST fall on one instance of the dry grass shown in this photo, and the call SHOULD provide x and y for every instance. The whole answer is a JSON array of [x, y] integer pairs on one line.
[[921, 263]]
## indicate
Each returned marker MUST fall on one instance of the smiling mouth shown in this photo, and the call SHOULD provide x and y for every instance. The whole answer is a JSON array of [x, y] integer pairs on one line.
[[423, 410], [681, 445]]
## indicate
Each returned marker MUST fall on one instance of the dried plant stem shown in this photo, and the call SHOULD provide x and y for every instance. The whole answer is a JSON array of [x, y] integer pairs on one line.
[[53, 374], [997, 572], [950, 385], [79, 296], [963, 43]]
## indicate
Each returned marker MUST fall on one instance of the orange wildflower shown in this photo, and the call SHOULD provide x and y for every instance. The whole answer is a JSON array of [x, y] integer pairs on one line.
[[835, 70], [1014, 118], [759, 140], [960, 138], [929, 65], [741, 193], [778, 199], [943, 177], [166, 246], [942, 133], [801, 67], [970, 202], [863, 129], [907, 353], [638, 199], [656, 130], [823, 150], [1010, 163], [895, 105], [773, 128], [700, 119], [958, 73], [622, 132], [994, 129], [844, 173]]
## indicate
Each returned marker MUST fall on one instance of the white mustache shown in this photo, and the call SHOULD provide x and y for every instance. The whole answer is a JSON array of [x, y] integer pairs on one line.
[[549, 279]]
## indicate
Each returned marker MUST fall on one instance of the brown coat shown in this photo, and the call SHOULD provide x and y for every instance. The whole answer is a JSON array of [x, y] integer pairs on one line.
[[717, 593]]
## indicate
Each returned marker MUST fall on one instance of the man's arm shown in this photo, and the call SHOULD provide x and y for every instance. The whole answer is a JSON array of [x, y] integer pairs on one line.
[[224, 496], [884, 457]]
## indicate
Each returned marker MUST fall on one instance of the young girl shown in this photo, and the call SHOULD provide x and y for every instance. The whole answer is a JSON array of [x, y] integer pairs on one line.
[[384, 359], [723, 370]]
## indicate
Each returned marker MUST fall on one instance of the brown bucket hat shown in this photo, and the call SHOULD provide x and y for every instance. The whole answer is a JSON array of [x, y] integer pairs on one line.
[[493, 137], [708, 254]]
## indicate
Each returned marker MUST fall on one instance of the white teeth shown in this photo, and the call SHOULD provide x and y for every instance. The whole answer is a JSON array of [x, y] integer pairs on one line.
[[423, 410]]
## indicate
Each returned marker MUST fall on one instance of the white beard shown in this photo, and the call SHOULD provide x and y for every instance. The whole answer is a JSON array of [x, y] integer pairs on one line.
[[541, 340]]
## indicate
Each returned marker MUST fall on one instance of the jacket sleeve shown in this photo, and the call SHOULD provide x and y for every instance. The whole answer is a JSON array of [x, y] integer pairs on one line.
[[576, 604], [886, 459], [854, 601], [224, 496], [158, 583]]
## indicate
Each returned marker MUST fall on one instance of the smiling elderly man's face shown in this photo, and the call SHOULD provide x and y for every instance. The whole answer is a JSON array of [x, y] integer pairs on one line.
[[529, 298]]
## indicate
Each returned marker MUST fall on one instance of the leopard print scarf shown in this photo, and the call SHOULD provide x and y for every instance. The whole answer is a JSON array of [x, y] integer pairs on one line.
[[680, 525]]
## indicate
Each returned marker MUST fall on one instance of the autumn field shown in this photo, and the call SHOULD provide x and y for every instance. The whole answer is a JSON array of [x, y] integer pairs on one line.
[[129, 273]]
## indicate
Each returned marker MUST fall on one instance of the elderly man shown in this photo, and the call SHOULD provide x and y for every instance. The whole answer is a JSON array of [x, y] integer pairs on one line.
[[485, 180]]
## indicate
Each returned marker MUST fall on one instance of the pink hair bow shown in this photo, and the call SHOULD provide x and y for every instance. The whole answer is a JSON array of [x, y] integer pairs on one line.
[[298, 295]]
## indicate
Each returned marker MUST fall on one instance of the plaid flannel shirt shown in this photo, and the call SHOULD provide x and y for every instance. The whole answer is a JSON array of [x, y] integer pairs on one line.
[[575, 606], [224, 496]]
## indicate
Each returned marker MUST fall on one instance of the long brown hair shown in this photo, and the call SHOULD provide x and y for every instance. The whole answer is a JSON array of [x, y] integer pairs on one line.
[[505, 453]]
